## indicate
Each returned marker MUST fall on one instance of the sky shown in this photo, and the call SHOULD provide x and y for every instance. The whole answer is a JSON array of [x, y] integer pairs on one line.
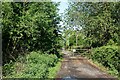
[[62, 7]]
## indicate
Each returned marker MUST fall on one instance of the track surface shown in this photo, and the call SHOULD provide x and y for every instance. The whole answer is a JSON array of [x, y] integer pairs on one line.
[[79, 67]]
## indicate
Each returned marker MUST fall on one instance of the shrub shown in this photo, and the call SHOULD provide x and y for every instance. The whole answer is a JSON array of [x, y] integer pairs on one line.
[[36, 65], [111, 42], [108, 56]]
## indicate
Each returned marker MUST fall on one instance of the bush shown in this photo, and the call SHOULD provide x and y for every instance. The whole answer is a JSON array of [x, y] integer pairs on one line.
[[108, 56], [36, 65], [111, 42]]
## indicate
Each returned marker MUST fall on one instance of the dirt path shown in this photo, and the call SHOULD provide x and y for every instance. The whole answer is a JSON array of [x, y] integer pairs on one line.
[[79, 67]]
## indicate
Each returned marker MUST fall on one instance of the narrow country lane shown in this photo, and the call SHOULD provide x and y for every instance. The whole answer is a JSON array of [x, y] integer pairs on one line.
[[78, 67]]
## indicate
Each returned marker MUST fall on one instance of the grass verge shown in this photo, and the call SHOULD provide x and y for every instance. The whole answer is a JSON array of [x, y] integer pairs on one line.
[[54, 70]]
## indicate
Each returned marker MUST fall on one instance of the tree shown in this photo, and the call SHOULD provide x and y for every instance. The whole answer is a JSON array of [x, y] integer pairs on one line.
[[96, 20], [29, 26]]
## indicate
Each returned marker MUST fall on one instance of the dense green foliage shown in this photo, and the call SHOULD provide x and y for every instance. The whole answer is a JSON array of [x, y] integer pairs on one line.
[[99, 21], [29, 26], [107, 56], [33, 65]]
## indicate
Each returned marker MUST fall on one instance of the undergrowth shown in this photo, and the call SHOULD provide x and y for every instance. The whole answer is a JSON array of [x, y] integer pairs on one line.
[[33, 65]]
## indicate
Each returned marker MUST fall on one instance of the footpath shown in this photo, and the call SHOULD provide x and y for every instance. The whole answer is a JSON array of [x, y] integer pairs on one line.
[[79, 68]]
